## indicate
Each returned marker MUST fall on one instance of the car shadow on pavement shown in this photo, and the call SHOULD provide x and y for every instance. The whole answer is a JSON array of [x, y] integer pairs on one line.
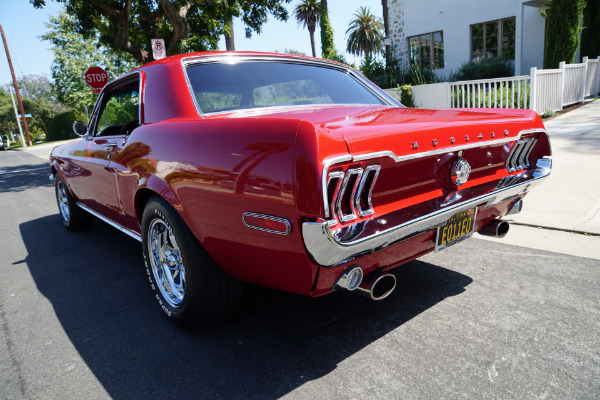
[[96, 283], [22, 177]]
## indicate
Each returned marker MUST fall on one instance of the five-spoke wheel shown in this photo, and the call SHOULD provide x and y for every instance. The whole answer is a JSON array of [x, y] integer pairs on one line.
[[73, 217], [189, 286], [166, 262]]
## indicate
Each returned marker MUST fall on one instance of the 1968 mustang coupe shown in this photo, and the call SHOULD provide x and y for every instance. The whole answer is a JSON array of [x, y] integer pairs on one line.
[[289, 172]]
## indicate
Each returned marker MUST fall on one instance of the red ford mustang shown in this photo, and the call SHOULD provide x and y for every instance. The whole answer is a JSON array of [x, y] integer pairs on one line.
[[288, 172]]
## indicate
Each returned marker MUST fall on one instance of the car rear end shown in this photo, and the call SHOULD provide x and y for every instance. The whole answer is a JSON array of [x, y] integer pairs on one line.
[[415, 181]]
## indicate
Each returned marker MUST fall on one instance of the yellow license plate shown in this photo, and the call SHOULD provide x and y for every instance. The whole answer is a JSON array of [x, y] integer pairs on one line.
[[458, 228]]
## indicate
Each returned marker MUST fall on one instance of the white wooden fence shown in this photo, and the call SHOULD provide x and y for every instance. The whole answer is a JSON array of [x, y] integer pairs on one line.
[[490, 93], [544, 90]]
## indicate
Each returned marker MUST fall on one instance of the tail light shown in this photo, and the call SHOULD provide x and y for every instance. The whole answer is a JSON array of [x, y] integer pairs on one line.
[[518, 157], [349, 193]]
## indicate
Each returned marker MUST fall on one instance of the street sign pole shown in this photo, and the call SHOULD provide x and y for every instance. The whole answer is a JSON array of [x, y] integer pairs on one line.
[[12, 71], [22, 139]]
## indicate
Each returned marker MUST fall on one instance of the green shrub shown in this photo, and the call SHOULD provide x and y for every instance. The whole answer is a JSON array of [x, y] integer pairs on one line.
[[339, 57], [547, 114], [406, 96], [61, 126], [37, 135], [415, 75], [486, 68], [390, 74]]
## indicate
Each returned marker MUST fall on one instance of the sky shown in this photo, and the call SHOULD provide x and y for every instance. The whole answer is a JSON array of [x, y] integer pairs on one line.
[[24, 24]]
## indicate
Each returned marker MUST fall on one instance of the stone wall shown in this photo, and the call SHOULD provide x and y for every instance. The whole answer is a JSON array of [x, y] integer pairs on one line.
[[396, 21]]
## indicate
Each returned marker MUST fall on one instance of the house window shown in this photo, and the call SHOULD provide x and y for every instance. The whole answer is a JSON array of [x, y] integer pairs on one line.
[[427, 50], [493, 39]]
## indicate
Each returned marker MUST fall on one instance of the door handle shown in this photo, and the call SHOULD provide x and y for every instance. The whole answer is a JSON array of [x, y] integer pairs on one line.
[[109, 146]]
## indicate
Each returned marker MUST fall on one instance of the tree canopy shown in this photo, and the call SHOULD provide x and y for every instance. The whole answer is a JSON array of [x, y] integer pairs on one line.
[[192, 25], [38, 100], [73, 55], [590, 43], [365, 33]]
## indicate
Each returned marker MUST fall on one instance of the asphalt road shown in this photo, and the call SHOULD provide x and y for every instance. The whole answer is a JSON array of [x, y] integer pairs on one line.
[[482, 319]]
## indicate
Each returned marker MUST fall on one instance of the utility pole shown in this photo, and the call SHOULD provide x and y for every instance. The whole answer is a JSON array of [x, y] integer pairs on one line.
[[12, 71]]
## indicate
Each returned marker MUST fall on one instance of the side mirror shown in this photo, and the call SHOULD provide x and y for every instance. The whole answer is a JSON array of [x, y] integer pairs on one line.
[[79, 128]]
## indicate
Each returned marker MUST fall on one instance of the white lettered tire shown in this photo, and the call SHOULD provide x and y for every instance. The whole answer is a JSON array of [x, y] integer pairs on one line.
[[188, 285]]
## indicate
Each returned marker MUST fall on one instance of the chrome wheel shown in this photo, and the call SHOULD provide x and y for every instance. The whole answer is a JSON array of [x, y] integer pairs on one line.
[[63, 200], [166, 262]]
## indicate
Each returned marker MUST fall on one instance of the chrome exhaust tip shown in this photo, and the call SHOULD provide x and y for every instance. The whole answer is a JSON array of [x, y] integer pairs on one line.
[[516, 207], [496, 228], [377, 286], [350, 279]]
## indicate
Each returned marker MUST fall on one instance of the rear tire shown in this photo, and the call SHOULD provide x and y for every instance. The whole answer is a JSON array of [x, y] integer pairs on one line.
[[73, 217], [189, 286]]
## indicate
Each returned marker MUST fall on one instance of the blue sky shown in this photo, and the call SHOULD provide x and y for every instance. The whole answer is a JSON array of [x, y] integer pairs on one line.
[[23, 25]]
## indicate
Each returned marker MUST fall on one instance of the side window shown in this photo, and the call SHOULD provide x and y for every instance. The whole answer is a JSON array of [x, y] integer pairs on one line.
[[120, 110]]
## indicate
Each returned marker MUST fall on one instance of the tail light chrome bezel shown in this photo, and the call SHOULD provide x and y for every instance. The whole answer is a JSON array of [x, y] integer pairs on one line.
[[371, 170], [349, 193], [341, 200], [518, 158]]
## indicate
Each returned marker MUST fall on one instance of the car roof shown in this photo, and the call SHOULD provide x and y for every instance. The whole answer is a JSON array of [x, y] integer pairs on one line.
[[208, 54]]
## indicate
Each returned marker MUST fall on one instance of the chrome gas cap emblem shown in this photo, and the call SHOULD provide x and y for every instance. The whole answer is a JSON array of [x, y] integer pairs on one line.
[[459, 173]]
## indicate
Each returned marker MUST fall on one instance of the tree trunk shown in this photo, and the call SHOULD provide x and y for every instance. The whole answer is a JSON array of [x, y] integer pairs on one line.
[[386, 25], [229, 39], [311, 32]]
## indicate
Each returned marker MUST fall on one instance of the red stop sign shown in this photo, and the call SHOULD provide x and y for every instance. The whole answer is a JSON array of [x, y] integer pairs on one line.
[[97, 78]]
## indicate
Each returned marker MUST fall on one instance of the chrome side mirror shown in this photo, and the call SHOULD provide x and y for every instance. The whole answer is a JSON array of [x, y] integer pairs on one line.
[[79, 128]]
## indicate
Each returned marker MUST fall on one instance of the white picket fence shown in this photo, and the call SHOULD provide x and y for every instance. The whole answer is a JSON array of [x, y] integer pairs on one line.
[[490, 93], [544, 90]]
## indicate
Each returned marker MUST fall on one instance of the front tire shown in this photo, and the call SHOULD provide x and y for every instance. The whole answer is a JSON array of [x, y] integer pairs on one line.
[[189, 286], [73, 217]]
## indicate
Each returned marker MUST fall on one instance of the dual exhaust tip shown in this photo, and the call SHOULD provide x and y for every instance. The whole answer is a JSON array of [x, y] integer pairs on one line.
[[375, 286], [378, 285], [496, 228]]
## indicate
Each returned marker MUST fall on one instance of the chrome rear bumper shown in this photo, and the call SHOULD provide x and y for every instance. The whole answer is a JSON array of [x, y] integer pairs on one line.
[[327, 250]]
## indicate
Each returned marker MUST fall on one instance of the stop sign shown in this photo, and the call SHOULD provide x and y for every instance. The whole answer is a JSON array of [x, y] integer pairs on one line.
[[97, 78]]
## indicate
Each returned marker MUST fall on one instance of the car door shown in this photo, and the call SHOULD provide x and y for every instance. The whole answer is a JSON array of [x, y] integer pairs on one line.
[[116, 115]]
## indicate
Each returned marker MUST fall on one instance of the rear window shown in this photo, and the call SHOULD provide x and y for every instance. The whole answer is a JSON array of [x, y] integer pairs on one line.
[[250, 84]]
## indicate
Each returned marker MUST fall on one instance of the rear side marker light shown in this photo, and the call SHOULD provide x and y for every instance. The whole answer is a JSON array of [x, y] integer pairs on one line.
[[267, 223]]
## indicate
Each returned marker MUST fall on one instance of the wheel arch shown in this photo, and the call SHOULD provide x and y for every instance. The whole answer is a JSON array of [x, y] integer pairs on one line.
[[56, 170], [155, 186]]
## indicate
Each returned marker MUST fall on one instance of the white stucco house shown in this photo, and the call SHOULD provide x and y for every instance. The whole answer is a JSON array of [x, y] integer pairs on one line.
[[444, 34]]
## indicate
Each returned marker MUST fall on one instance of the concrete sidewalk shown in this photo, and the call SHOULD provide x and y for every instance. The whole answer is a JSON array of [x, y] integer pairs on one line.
[[43, 150], [569, 199]]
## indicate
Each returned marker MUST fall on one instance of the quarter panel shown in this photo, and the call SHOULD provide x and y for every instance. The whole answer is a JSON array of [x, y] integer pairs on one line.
[[213, 171]]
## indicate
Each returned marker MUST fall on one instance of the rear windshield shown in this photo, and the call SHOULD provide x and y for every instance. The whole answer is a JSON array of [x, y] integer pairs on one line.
[[223, 87]]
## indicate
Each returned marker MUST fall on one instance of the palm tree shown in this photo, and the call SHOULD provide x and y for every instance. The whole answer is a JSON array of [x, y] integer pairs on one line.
[[308, 13], [364, 35]]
